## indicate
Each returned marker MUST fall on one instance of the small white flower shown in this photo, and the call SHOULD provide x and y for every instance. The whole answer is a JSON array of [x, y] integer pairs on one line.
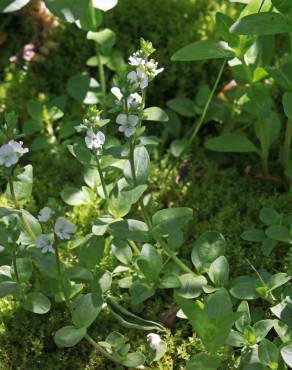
[[154, 340], [18, 147], [45, 214], [8, 156], [45, 243], [1, 248], [136, 61], [64, 229], [94, 140], [128, 123], [152, 68], [138, 79], [134, 100]]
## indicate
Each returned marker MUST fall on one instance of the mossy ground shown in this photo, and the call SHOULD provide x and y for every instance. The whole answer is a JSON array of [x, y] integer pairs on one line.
[[222, 196]]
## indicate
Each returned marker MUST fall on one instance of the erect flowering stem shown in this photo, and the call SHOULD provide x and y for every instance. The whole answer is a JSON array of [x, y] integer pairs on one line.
[[103, 184], [148, 220], [59, 271], [206, 107], [101, 73], [198, 125]]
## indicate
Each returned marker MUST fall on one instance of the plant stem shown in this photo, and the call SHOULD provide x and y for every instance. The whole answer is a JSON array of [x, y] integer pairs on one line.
[[59, 271], [205, 110], [99, 348], [103, 184], [15, 264], [287, 146], [101, 72], [148, 220]]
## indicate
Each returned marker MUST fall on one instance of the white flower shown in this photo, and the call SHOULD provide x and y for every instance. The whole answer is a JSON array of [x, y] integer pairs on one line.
[[45, 243], [8, 156], [128, 123], [11, 152], [154, 340], [134, 100], [64, 229], [95, 140], [136, 61], [18, 147], [45, 214], [138, 79], [152, 68], [1, 248]]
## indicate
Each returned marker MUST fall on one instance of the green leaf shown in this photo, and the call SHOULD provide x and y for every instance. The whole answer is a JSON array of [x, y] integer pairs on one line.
[[223, 24], [24, 269], [66, 9], [268, 354], [129, 320], [244, 287], [130, 229], [155, 114], [191, 286], [78, 274], [178, 147], [77, 197], [104, 38], [30, 225], [231, 143], [203, 50], [122, 251], [280, 233], [104, 5], [8, 6], [69, 336], [83, 88], [86, 309], [134, 359], [207, 249], [269, 216], [253, 235], [219, 271], [183, 106], [287, 104], [265, 23], [8, 288], [283, 6], [150, 262], [278, 280], [286, 353], [245, 319], [22, 184], [142, 166], [262, 329], [140, 292], [91, 251], [82, 154], [204, 361], [170, 219], [37, 302]]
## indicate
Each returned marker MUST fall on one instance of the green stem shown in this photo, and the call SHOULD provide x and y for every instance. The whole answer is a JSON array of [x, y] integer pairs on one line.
[[102, 180], [99, 348], [15, 264], [287, 146], [265, 144], [101, 72], [148, 220], [135, 247], [59, 271], [207, 105]]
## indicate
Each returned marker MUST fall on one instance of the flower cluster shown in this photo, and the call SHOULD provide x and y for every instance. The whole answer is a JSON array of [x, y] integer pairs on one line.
[[128, 97], [63, 230], [11, 152]]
